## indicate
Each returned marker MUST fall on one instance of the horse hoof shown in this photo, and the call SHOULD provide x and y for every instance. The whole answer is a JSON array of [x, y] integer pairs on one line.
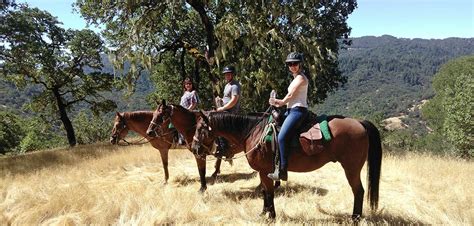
[[356, 217], [202, 189], [272, 215]]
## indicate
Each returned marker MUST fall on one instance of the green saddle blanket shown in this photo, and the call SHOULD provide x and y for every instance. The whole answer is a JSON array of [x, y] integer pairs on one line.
[[323, 124]]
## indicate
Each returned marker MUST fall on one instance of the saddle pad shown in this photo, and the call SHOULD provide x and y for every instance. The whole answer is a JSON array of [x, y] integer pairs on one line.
[[269, 133], [318, 130]]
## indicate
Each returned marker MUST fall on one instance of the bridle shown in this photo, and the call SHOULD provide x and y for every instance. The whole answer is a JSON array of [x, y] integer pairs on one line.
[[165, 121], [121, 126]]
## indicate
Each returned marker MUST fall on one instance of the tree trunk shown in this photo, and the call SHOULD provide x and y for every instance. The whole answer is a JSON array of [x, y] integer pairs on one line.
[[71, 136]]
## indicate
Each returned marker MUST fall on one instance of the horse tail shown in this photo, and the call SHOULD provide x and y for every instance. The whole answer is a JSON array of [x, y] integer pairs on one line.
[[375, 163]]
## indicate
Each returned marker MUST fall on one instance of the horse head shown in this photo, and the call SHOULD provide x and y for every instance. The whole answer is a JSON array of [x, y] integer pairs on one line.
[[203, 138], [161, 116], [120, 129]]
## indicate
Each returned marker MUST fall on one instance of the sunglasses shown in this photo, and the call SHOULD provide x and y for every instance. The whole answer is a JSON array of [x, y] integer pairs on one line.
[[291, 64]]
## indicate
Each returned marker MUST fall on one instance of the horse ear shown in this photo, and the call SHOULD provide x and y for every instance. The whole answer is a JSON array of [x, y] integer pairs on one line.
[[204, 117], [118, 114], [163, 102]]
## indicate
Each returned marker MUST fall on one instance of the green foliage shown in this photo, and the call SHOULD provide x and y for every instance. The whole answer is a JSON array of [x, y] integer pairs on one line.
[[20, 134], [11, 131], [39, 134], [459, 106], [407, 140], [91, 128], [39, 52], [399, 140], [196, 38], [452, 108]]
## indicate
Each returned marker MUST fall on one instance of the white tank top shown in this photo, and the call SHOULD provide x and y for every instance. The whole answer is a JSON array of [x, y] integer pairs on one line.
[[300, 98]]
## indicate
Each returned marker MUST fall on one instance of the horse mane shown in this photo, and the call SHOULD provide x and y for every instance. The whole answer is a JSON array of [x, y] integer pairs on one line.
[[229, 122], [137, 115], [183, 108]]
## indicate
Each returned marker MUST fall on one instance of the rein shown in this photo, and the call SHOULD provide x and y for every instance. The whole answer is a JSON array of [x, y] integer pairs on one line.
[[148, 141], [133, 143]]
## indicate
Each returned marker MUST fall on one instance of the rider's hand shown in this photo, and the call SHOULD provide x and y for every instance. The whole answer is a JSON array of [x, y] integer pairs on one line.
[[274, 102], [219, 109]]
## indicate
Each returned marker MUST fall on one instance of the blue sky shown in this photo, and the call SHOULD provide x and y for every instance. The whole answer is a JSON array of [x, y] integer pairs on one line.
[[400, 18]]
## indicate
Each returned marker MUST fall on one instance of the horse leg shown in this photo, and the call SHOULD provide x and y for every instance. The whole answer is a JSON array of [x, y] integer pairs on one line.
[[201, 164], [164, 160], [217, 166], [268, 195], [353, 177]]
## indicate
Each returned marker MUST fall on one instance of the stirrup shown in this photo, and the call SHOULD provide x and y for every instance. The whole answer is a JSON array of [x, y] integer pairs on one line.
[[273, 176], [278, 175]]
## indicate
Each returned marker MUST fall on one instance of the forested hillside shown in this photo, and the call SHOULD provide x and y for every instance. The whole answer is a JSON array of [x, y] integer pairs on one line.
[[387, 75], [13, 99]]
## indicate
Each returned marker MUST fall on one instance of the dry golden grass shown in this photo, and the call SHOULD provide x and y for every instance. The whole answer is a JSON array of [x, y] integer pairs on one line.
[[104, 184]]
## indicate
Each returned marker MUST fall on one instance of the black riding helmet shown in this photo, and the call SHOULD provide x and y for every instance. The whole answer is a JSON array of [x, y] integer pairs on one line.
[[294, 57], [229, 69]]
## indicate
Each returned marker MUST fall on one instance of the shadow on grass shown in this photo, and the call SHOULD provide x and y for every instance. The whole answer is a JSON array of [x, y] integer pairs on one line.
[[286, 190], [291, 189], [228, 178], [379, 217]]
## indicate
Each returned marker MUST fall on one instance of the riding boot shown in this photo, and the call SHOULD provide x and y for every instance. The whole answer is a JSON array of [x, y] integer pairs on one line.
[[281, 173], [181, 139]]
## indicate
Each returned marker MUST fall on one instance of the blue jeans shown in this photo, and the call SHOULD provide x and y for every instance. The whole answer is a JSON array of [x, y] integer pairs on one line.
[[293, 120]]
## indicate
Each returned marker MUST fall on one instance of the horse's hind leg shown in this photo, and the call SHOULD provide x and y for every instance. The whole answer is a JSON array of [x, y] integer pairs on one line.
[[353, 177], [164, 160]]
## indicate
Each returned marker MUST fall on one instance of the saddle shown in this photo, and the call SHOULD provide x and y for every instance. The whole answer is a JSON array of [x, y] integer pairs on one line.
[[314, 132], [314, 139]]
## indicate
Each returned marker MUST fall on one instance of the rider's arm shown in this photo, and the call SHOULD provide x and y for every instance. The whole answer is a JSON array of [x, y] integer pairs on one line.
[[233, 101], [192, 106]]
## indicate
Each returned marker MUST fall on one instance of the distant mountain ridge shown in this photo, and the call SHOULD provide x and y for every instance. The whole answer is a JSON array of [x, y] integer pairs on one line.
[[389, 75]]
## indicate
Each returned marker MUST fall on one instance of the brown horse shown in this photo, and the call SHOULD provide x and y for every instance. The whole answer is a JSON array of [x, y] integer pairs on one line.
[[353, 142], [138, 121], [185, 122]]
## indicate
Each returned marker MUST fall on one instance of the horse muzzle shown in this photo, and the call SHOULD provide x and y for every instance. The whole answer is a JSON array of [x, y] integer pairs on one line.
[[113, 140]]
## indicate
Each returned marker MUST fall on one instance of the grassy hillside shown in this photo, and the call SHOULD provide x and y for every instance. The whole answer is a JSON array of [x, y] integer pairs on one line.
[[104, 184]]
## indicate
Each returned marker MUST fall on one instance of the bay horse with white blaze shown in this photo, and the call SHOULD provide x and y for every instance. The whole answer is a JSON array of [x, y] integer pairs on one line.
[[353, 142]]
